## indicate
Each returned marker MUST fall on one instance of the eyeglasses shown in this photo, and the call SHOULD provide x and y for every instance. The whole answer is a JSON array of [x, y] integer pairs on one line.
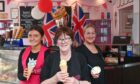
[[64, 39]]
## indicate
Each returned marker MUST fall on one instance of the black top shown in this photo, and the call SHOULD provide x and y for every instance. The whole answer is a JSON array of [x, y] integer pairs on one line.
[[77, 66], [32, 56], [93, 59]]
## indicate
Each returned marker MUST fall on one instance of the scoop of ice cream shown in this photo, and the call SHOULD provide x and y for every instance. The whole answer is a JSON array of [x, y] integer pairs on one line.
[[96, 70], [31, 65], [63, 65], [63, 62]]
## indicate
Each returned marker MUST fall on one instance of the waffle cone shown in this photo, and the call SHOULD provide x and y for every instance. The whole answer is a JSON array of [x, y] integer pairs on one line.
[[63, 65], [63, 68], [30, 69]]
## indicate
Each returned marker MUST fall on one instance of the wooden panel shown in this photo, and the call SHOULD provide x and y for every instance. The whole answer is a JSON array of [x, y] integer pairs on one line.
[[113, 76], [131, 75], [123, 74]]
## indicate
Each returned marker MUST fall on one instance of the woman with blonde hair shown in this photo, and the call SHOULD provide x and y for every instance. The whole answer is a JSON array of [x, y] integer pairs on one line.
[[93, 55]]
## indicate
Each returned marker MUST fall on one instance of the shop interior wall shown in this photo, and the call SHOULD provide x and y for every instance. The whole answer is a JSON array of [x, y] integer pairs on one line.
[[95, 13]]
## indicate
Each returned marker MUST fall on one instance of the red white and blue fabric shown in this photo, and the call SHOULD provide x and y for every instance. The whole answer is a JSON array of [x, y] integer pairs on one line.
[[78, 23], [49, 28]]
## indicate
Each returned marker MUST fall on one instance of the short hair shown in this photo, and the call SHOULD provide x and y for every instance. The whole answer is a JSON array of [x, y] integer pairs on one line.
[[63, 30], [37, 28]]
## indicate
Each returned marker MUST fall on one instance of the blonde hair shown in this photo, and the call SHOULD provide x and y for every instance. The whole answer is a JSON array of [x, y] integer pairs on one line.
[[88, 26]]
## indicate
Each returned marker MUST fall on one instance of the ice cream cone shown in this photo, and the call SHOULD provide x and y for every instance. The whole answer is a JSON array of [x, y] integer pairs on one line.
[[19, 32], [30, 69], [31, 65], [63, 65], [14, 33]]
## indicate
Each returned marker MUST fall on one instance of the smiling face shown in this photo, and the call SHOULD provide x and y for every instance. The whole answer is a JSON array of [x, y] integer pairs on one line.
[[89, 35], [34, 38], [64, 42]]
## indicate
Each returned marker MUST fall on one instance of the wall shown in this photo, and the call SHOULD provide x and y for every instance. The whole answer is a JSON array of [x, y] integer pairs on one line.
[[136, 29], [16, 4], [95, 11], [135, 26]]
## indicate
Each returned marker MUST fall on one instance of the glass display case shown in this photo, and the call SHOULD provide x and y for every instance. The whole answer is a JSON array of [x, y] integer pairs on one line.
[[8, 68]]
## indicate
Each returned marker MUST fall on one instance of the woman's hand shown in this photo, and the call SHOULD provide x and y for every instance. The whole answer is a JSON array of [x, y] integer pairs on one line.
[[71, 80], [61, 76], [95, 75], [25, 73]]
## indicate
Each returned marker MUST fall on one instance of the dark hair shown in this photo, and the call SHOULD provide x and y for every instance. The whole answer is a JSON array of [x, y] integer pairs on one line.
[[63, 30], [37, 28]]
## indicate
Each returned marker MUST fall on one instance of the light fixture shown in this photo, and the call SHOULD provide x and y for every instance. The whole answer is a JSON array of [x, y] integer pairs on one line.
[[98, 2]]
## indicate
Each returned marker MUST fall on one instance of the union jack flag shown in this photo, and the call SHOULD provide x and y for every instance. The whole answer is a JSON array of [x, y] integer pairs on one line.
[[78, 23], [49, 28]]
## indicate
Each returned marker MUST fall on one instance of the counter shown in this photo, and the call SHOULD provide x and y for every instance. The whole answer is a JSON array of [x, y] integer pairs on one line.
[[8, 66], [127, 73]]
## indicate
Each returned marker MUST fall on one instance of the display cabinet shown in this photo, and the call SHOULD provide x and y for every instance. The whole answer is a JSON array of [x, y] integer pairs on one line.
[[4, 24], [103, 30], [8, 67]]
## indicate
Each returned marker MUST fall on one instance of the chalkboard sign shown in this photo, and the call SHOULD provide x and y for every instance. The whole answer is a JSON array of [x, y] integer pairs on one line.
[[26, 19]]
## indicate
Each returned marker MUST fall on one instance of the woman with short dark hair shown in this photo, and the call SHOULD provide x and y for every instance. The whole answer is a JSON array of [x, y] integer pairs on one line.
[[65, 66]]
